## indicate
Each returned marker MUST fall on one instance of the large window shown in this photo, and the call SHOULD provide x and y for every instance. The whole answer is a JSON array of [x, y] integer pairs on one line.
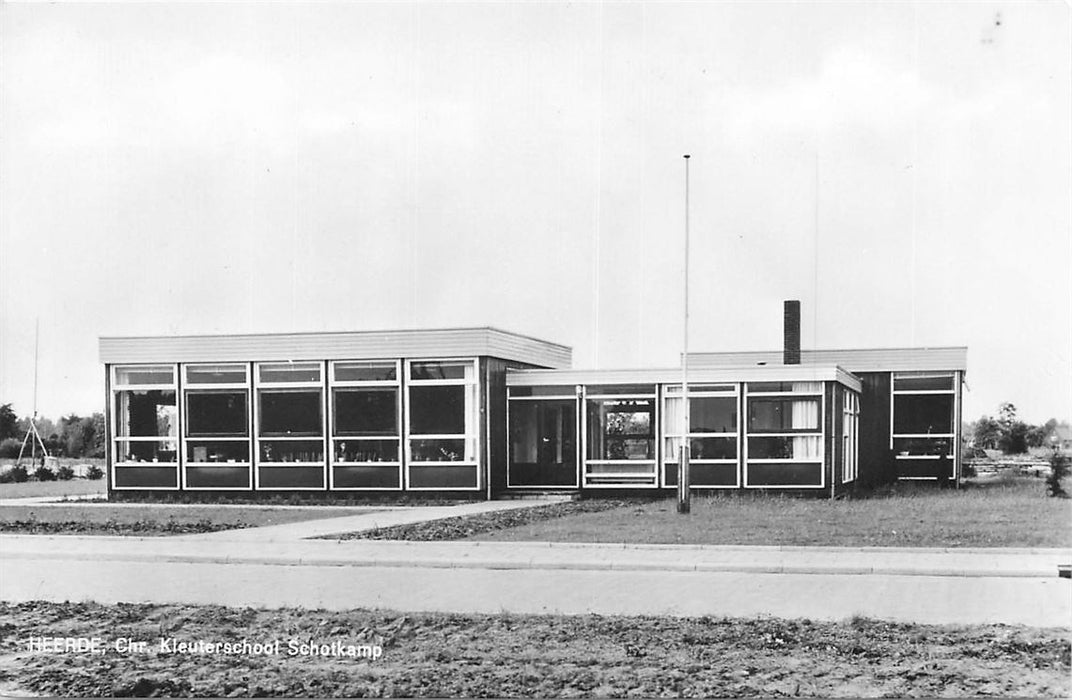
[[543, 429], [146, 427], [441, 424], [923, 422], [712, 434], [290, 425], [217, 418], [365, 436], [620, 432], [785, 434]]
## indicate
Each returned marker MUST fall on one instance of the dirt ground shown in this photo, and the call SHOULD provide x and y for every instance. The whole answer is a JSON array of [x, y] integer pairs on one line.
[[461, 527], [426, 655], [142, 521]]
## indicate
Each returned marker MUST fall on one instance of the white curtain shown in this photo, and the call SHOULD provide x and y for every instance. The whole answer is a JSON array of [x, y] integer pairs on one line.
[[806, 416], [673, 414]]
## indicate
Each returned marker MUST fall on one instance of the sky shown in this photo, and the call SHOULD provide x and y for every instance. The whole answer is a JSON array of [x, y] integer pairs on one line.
[[904, 169]]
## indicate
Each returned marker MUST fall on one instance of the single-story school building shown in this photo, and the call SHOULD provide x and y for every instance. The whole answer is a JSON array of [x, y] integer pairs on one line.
[[483, 412]]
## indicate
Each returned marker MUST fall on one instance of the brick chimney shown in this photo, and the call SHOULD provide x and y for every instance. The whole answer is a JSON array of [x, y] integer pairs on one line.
[[791, 332]]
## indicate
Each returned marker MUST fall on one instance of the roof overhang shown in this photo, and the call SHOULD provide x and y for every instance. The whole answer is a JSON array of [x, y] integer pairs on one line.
[[925, 359], [353, 345], [704, 375]]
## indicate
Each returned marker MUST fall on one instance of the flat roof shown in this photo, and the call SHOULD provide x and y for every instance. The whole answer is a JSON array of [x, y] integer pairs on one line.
[[697, 375], [953, 358], [336, 345]]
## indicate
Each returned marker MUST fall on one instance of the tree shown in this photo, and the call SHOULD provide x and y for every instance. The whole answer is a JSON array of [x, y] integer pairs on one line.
[[986, 432], [82, 436], [9, 422], [1007, 413], [1037, 435], [1014, 431]]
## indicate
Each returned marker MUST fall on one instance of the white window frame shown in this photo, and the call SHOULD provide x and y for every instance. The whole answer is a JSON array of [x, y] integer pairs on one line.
[[850, 438], [334, 384], [472, 429], [189, 387], [820, 433], [630, 480], [258, 386], [672, 392], [954, 449], [576, 441], [116, 440]]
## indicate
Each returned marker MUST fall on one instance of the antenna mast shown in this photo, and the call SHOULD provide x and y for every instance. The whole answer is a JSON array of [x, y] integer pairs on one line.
[[31, 432]]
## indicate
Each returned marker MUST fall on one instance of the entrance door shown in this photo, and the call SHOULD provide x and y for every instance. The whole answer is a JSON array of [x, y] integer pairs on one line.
[[543, 443]]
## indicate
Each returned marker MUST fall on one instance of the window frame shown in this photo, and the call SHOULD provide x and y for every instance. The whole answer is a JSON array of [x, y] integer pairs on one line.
[[951, 437], [398, 385], [117, 388], [195, 387], [850, 438], [630, 480], [276, 386], [471, 436], [575, 397], [818, 392], [673, 392]]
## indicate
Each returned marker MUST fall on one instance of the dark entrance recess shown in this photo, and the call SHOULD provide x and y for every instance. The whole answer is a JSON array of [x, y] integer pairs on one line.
[[543, 443]]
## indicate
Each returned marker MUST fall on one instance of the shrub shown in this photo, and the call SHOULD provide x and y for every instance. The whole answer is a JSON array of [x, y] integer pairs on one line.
[[43, 473], [94, 472], [1059, 468], [15, 475], [9, 448], [65, 473]]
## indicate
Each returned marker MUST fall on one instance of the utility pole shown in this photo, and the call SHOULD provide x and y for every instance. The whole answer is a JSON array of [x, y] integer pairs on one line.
[[684, 492]]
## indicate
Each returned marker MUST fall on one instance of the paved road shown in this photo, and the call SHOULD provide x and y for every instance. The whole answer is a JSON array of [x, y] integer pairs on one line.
[[933, 586], [929, 599], [219, 549]]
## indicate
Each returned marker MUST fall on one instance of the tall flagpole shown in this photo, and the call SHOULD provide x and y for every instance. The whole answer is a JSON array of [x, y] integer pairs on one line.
[[684, 495], [33, 420]]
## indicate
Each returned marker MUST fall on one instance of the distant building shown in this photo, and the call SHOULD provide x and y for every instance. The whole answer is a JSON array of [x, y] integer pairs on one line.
[[483, 411]]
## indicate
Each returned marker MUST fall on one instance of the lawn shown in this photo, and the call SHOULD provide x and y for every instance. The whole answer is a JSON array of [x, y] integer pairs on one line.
[[450, 655], [58, 489], [106, 519], [1010, 512]]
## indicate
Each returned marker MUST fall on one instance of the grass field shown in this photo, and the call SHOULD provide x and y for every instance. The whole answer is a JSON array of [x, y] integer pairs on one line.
[[154, 520], [441, 655], [1011, 512], [59, 489]]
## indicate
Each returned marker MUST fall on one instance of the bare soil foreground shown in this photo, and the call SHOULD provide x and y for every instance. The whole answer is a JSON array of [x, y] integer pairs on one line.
[[154, 520], [425, 655]]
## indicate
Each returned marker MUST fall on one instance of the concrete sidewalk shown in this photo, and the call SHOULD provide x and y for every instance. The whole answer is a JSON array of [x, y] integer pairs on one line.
[[290, 551]]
